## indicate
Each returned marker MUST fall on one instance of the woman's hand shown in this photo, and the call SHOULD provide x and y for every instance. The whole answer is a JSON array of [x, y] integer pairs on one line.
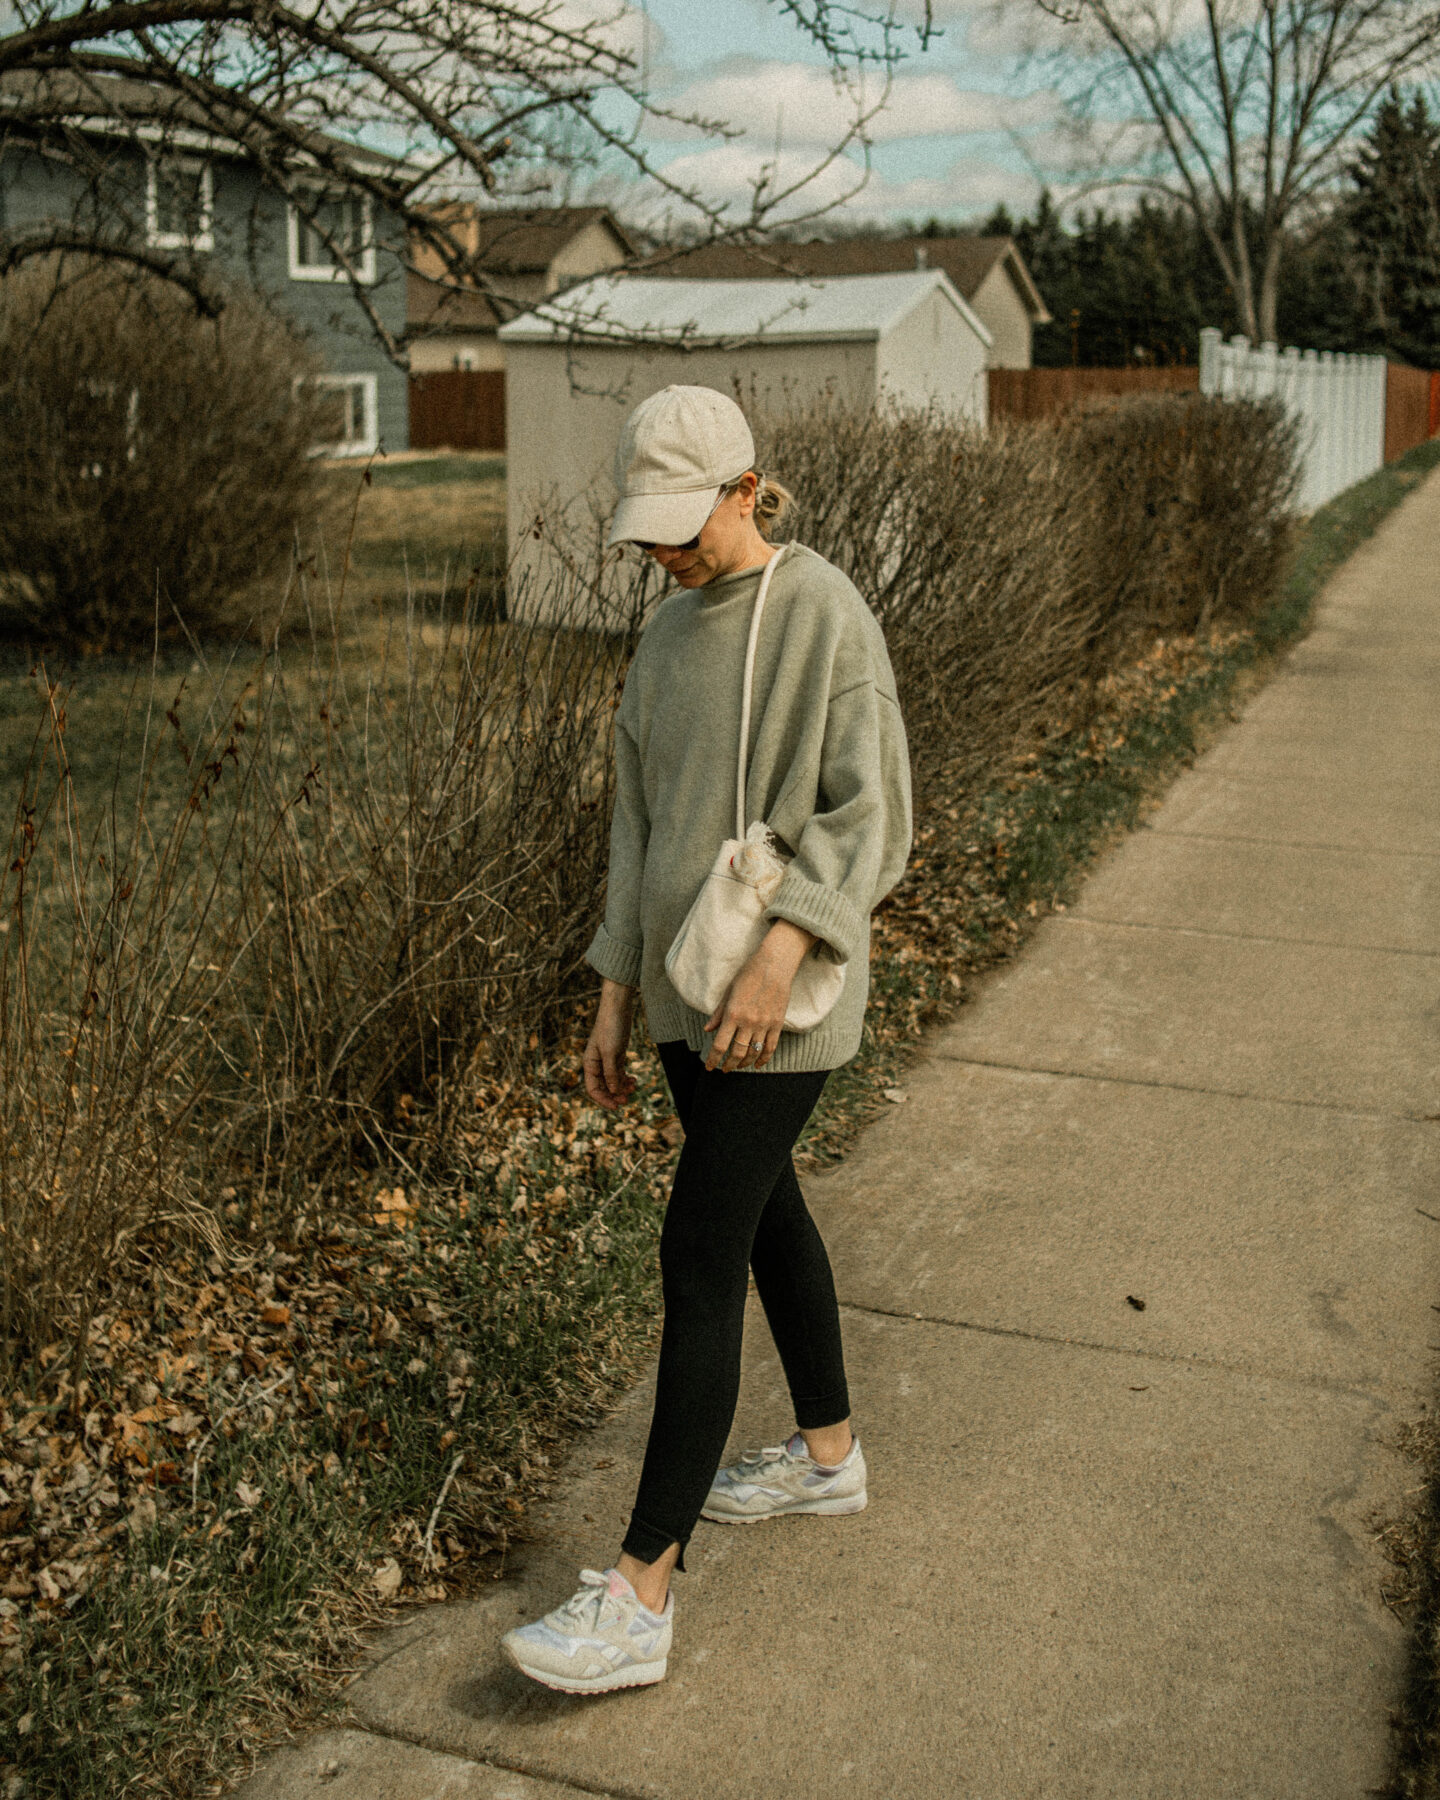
[[606, 1081], [748, 1020]]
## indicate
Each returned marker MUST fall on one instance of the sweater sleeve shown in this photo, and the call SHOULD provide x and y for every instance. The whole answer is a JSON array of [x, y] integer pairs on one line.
[[854, 847], [615, 950]]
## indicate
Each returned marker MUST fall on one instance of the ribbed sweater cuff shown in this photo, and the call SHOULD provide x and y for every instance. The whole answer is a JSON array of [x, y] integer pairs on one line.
[[821, 910], [614, 960]]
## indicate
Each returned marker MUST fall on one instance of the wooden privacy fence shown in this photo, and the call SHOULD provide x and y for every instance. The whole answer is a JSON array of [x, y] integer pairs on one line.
[[1412, 408], [1042, 393], [458, 409]]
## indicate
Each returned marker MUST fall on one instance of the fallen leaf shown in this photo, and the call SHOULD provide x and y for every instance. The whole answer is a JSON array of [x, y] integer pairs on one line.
[[275, 1315], [394, 1207], [247, 1495], [897, 1095], [388, 1578]]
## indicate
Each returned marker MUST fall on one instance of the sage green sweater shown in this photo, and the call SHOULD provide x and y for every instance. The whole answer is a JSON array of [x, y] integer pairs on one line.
[[829, 771]]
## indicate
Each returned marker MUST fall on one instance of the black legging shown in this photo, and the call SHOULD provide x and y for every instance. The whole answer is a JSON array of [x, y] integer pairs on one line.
[[735, 1203]]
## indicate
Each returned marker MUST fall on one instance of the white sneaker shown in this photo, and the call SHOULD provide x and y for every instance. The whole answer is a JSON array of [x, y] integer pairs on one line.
[[601, 1638], [785, 1479]]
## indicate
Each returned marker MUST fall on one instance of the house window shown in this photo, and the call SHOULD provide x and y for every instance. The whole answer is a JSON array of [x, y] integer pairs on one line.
[[114, 421], [350, 424], [179, 204], [331, 224]]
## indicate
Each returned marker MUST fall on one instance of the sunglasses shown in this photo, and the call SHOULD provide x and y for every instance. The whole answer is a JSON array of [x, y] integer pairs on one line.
[[690, 543]]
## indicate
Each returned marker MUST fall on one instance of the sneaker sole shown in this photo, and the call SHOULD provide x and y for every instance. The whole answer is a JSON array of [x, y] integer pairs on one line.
[[852, 1503], [637, 1675]]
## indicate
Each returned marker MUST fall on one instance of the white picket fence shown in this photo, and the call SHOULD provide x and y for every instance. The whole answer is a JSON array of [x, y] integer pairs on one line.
[[1339, 401]]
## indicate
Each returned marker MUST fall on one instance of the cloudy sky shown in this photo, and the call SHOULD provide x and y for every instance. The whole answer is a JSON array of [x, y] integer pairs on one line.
[[967, 123]]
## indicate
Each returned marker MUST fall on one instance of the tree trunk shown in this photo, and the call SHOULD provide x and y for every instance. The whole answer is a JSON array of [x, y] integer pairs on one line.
[[1270, 289], [1242, 282]]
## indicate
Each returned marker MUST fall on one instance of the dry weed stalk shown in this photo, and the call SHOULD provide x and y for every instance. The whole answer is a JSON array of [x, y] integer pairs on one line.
[[318, 899], [116, 946]]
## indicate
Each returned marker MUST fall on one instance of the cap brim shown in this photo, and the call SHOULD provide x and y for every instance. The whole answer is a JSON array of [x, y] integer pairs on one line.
[[662, 518]]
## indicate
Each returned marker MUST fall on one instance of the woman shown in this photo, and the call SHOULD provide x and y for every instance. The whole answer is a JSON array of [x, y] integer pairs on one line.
[[829, 771]]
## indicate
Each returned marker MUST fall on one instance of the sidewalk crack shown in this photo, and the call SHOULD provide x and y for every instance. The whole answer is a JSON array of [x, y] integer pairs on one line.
[[1274, 843], [1186, 1087], [1243, 937], [567, 1784], [1326, 1384]]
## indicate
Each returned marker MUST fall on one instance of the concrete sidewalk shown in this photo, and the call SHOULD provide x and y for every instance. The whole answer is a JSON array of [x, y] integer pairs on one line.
[[1109, 1551]]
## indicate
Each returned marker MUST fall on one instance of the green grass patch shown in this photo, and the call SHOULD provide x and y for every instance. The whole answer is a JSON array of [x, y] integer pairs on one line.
[[438, 471]]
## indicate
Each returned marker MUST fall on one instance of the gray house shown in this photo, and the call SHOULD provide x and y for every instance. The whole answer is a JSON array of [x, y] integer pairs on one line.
[[149, 174]]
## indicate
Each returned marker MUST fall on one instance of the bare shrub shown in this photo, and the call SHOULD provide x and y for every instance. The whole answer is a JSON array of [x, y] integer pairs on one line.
[[1195, 501], [155, 462], [969, 545], [1014, 567], [431, 900], [332, 890]]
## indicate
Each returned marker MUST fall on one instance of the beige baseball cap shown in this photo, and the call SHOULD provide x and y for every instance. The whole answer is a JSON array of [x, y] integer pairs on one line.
[[676, 451]]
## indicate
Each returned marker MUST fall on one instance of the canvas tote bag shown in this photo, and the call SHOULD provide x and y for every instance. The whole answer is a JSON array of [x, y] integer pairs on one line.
[[726, 924]]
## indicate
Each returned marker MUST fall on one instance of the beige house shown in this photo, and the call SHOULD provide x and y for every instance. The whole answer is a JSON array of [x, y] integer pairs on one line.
[[988, 272], [525, 257], [575, 367]]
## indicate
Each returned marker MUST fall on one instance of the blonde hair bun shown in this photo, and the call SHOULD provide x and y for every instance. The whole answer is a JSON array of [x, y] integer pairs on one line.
[[772, 502]]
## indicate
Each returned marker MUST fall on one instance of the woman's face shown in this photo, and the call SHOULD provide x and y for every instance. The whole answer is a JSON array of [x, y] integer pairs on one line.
[[728, 541]]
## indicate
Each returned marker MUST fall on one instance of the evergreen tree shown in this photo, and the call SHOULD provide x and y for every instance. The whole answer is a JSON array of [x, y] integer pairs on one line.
[[1318, 303], [1394, 223], [999, 224], [1124, 291]]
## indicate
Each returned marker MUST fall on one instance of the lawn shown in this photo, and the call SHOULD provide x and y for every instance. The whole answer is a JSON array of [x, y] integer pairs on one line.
[[425, 526]]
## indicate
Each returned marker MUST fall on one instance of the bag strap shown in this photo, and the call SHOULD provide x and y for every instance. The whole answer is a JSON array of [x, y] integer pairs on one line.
[[764, 589]]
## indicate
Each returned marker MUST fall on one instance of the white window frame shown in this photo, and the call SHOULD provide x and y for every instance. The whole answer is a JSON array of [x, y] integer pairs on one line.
[[204, 239], [364, 263], [370, 386]]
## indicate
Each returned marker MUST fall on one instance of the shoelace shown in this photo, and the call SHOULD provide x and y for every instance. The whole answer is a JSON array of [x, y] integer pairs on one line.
[[773, 1456], [586, 1607]]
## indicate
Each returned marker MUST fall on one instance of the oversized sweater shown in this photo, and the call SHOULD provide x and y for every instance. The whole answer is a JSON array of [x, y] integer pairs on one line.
[[828, 771]]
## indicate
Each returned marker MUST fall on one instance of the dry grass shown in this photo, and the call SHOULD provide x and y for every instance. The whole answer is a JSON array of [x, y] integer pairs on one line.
[[426, 528]]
